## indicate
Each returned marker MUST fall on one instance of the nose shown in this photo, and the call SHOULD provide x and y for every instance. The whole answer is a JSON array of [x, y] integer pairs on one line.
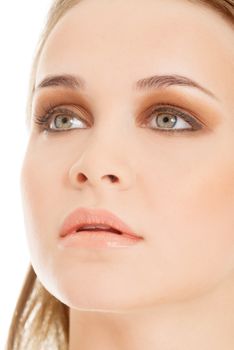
[[100, 166]]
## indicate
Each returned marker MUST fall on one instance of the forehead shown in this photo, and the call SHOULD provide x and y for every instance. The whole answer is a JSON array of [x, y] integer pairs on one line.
[[119, 41]]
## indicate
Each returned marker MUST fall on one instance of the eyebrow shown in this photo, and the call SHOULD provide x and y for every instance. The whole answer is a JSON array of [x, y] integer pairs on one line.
[[75, 82]]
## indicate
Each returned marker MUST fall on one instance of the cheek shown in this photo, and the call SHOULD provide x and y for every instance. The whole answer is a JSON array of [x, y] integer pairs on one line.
[[190, 227], [212, 194], [44, 203], [191, 185], [41, 199], [213, 205]]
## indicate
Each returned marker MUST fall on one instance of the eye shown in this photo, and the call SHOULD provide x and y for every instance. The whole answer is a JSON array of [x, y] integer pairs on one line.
[[59, 119], [168, 118], [163, 117]]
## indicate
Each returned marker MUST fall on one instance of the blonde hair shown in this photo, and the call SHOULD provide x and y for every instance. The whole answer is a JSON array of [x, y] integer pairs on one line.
[[40, 320]]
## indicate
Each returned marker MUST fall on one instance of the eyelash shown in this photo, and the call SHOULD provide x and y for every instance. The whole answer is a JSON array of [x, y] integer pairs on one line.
[[44, 119]]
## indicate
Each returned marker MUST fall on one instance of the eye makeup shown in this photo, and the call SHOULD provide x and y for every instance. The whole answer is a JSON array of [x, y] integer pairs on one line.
[[56, 104], [47, 120]]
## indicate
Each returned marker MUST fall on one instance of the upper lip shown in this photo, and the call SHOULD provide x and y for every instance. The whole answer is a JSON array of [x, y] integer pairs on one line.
[[84, 216]]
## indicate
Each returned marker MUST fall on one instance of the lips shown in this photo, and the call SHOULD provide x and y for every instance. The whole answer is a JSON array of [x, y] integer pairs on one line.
[[83, 219]]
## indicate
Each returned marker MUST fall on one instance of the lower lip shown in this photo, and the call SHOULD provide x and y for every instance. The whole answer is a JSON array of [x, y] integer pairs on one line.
[[100, 239]]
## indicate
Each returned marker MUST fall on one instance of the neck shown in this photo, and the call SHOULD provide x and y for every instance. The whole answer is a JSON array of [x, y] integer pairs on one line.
[[206, 322]]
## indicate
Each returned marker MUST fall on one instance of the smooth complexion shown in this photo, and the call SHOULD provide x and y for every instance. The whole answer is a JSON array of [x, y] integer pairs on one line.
[[175, 290]]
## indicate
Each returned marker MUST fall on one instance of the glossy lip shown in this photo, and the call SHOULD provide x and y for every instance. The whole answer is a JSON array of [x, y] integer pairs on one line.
[[97, 240], [86, 216]]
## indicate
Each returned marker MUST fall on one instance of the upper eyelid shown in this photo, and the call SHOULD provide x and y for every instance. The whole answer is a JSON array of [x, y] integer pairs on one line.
[[48, 110], [182, 111], [53, 108]]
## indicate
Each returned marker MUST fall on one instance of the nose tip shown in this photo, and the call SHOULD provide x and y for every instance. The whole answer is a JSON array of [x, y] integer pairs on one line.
[[104, 163]]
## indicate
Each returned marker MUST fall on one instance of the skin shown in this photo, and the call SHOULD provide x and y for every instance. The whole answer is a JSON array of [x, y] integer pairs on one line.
[[175, 290]]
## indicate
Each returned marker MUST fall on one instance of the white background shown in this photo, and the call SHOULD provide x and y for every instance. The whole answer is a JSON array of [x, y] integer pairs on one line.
[[21, 22]]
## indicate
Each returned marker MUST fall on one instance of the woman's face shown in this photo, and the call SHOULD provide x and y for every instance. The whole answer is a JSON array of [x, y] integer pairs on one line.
[[176, 189]]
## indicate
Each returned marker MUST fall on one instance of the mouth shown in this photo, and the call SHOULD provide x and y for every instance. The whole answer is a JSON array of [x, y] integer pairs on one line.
[[83, 220], [98, 228]]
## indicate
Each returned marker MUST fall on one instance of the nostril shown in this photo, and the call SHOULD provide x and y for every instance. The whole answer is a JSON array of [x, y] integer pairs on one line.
[[113, 178], [81, 177]]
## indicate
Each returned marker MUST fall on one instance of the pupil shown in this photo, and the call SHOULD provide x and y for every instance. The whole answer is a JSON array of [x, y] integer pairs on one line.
[[63, 122], [167, 121]]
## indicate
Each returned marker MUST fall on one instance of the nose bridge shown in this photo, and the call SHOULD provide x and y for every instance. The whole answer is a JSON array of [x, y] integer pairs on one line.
[[106, 154], [115, 114], [110, 138], [112, 129]]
